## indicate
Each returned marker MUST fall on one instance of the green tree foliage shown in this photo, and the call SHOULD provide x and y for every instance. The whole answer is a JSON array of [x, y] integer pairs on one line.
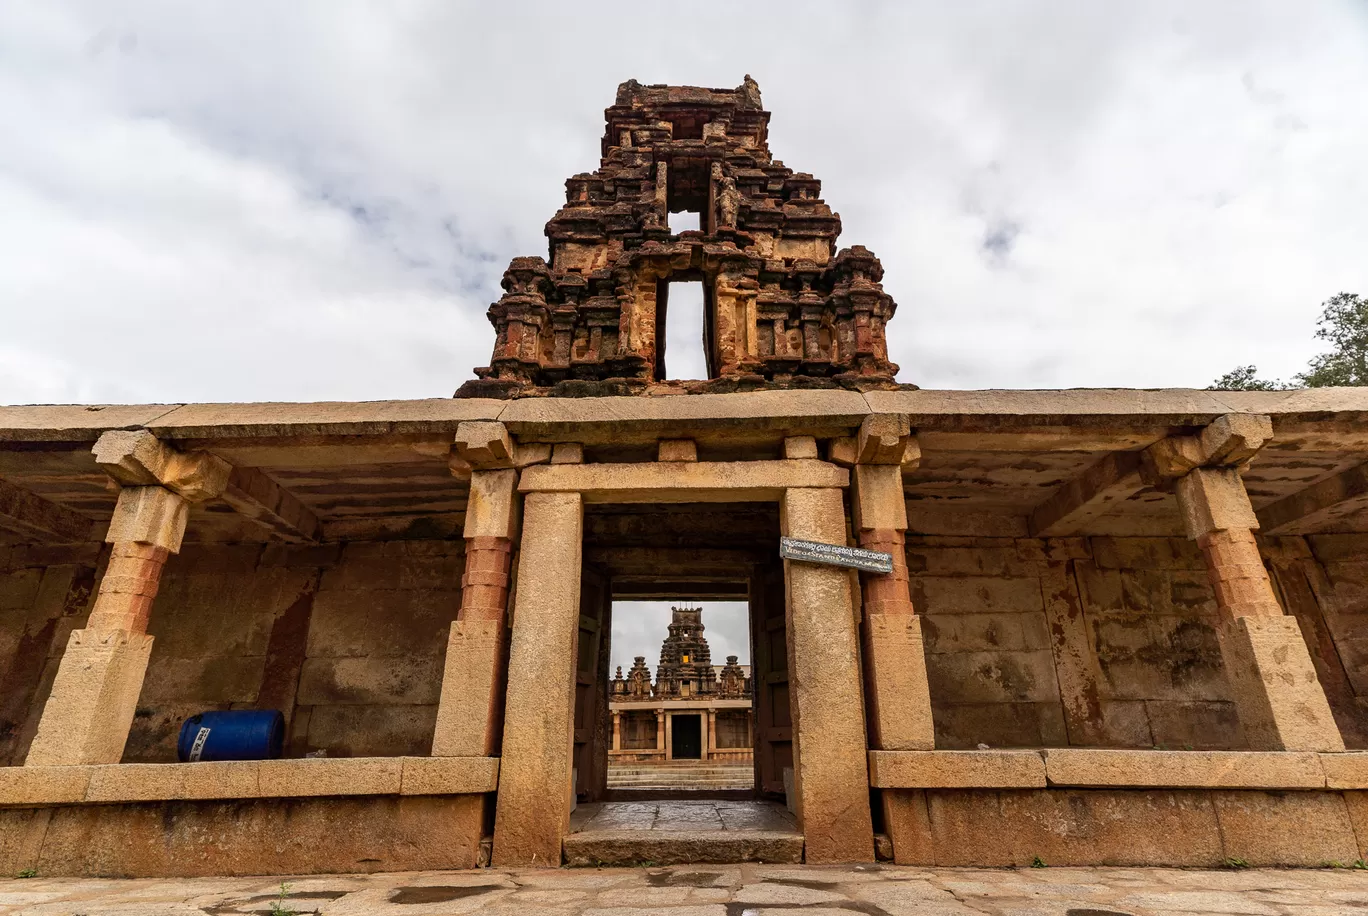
[[1344, 323], [1245, 378]]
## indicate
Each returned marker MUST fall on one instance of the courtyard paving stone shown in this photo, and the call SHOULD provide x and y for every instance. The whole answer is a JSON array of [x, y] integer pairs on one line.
[[722, 890]]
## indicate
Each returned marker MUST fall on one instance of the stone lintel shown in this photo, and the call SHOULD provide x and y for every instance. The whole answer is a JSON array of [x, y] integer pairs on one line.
[[1318, 506], [704, 481], [32, 516], [956, 769], [1095, 492]]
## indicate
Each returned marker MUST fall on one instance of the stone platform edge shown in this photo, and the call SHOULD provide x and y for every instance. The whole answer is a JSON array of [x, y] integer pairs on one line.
[[1117, 768], [44, 786]]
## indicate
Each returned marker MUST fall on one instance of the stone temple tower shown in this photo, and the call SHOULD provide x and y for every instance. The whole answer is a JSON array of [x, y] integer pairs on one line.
[[685, 667], [782, 306]]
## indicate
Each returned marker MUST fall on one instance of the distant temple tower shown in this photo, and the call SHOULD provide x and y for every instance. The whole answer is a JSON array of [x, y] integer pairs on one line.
[[685, 668], [782, 307]]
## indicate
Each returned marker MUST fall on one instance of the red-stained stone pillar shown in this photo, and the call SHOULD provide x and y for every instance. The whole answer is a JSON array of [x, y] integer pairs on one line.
[[470, 712], [1282, 705], [94, 695]]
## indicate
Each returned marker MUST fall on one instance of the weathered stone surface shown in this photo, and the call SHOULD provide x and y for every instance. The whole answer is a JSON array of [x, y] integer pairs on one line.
[[89, 711], [831, 777], [784, 302], [1345, 771], [956, 769], [534, 784], [1286, 828], [722, 481], [303, 836], [449, 775], [37, 785], [1184, 769], [355, 776], [1073, 827], [1282, 705]]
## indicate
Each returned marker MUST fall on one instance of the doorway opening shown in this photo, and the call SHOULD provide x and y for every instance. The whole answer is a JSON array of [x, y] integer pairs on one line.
[[681, 329], [685, 723]]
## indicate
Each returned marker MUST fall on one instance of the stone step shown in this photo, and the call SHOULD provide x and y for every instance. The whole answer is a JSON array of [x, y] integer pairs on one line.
[[655, 847]]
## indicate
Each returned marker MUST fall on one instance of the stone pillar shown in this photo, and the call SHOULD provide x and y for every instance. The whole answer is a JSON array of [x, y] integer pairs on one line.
[[712, 733], [669, 736], [831, 773], [1282, 705], [533, 808], [90, 710], [617, 731], [470, 712], [899, 696], [660, 730]]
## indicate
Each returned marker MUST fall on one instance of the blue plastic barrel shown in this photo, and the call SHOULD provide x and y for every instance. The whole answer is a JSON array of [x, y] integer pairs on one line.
[[232, 734]]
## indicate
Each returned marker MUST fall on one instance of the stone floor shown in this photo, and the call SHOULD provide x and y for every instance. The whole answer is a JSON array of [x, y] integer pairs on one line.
[[675, 832], [742, 890]]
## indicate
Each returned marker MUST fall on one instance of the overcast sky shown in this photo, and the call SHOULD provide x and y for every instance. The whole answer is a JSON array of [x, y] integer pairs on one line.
[[639, 627], [292, 201]]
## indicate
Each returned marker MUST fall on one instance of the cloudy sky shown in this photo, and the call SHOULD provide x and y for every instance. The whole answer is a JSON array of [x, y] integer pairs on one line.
[[639, 627], [247, 200]]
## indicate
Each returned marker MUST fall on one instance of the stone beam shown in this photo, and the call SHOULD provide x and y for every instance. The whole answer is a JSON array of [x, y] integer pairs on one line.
[[136, 458], [1093, 493], [35, 517], [1323, 502], [258, 498], [684, 481]]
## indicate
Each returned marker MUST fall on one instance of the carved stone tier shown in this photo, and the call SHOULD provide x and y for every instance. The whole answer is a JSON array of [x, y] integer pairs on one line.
[[781, 306]]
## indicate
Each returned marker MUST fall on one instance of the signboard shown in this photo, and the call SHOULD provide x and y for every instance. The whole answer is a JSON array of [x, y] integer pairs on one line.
[[835, 555]]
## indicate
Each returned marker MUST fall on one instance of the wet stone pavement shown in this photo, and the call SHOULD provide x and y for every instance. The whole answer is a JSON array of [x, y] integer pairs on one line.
[[728, 890]]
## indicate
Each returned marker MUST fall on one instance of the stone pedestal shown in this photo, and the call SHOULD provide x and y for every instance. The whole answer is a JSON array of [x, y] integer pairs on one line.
[[533, 811], [830, 767], [470, 712], [1282, 704], [95, 693]]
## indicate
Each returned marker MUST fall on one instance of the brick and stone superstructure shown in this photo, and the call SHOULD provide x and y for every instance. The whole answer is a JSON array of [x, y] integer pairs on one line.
[[781, 304]]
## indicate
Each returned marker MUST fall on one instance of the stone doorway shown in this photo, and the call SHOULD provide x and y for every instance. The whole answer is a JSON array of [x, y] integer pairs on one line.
[[687, 741], [683, 527]]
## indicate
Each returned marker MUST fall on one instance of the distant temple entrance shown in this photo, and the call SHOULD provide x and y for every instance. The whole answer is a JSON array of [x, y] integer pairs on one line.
[[696, 711]]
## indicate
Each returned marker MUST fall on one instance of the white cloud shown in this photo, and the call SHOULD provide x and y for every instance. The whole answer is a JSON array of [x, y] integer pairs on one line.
[[316, 200]]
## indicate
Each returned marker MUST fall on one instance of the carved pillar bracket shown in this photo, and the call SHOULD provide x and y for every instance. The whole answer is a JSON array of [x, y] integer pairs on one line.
[[1281, 702]]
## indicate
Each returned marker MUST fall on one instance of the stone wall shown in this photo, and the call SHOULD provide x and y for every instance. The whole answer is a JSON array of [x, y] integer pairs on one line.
[[347, 640], [1126, 626], [45, 593], [1111, 642]]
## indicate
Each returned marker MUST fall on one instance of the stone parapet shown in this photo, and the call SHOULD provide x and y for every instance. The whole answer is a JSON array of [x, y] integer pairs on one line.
[[1117, 768], [38, 786]]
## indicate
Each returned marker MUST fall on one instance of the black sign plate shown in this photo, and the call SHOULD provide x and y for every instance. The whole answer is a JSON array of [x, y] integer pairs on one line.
[[835, 555]]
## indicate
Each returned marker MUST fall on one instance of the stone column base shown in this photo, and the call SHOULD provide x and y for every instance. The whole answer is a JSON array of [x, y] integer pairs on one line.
[[90, 711], [1281, 703], [899, 695]]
